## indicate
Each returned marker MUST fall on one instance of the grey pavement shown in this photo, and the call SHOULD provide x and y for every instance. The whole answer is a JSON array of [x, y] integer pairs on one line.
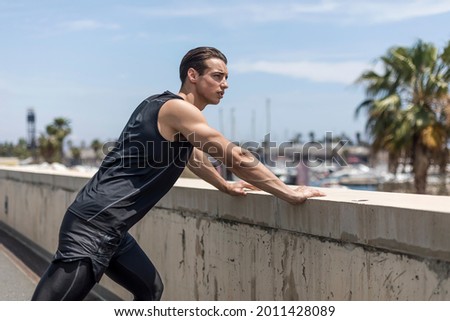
[[17, 280], [21, 267]]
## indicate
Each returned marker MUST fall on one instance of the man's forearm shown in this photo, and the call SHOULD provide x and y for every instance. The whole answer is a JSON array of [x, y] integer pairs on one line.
[[200, 165], [247, 167]]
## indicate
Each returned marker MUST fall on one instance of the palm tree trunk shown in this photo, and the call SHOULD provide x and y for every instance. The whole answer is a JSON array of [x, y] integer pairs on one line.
[[421, 163], [443, 171], [393, 161]]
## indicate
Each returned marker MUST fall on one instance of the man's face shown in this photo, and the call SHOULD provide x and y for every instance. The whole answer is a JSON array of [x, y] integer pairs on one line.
[[212, 84]]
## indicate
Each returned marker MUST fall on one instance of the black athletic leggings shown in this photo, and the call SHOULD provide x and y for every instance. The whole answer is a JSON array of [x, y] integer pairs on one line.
[[73, 280]]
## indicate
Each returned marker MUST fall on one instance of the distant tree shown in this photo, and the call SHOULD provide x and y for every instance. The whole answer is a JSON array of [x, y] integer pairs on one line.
[[48, 148], [96, 145], [408, 106], [60, 129], [297, 138], [51, 144], [21, 150], [6, 149], [76, 155], [342, 139]]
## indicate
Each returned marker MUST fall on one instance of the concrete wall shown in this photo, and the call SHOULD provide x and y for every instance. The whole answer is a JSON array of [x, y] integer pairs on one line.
[[349, 245]]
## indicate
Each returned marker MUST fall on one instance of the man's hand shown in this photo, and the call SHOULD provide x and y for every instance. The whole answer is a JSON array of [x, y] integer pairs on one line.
[[239, 188], [302, 193]]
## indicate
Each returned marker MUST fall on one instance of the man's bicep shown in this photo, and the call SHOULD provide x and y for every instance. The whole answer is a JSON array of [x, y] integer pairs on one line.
[[192, 124], [208, 140]]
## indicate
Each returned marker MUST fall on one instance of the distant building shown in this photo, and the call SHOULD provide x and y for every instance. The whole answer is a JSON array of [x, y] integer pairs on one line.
[[87, 157], [31, 126], [9, 161]]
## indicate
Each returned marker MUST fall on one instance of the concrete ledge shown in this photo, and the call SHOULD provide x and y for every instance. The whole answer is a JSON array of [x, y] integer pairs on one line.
[[406, 223], [211, 246]]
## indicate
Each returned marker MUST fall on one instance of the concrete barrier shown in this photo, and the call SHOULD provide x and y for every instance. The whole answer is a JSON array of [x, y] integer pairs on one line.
[[349, 245]]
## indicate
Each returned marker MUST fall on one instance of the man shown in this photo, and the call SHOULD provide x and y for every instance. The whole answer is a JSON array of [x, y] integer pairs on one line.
[[164, 134]]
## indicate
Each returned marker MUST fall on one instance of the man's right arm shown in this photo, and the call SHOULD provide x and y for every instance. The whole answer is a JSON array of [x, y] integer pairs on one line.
[[190, 122]]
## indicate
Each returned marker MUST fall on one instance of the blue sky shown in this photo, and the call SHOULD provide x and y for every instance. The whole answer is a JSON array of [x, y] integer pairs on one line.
[[94, 61]]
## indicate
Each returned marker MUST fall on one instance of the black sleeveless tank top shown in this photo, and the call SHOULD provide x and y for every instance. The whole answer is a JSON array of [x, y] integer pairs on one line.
[[135, 174]]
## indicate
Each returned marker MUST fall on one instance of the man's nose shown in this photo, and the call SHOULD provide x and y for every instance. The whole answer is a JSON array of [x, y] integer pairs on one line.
[[224, 84]]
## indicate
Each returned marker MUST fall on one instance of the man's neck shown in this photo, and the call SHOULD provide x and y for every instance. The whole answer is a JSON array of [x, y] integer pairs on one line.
[[191, 98]]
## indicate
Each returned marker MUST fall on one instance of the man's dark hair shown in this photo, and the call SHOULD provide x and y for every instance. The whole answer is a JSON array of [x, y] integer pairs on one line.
[[195, 58]]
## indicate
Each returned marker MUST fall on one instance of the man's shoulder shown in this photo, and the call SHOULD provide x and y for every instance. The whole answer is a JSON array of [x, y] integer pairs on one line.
[[166, 95], [180, 108], [176, 111]]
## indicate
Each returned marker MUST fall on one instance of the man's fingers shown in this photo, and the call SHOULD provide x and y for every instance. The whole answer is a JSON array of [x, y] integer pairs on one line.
[[239, 191], [240, 187], [309, 192]]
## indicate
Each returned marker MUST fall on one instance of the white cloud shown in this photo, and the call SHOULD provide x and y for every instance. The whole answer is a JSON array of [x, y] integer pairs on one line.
[[239, 11], [343, 11], [388, 11], [257, 11], [86, 24], [330, 72]]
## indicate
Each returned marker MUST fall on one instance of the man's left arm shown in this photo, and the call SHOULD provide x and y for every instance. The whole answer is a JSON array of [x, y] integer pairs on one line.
[[201, 166]]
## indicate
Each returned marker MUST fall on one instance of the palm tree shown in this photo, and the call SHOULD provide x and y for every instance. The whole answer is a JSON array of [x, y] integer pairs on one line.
[[383, 107], [407, 105], [51, 145], [76, 155], [59, 129], [96, 145], [48, 148]]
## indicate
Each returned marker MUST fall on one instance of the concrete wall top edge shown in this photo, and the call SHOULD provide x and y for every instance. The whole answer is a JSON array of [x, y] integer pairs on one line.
[[428, 203], [25, 169]]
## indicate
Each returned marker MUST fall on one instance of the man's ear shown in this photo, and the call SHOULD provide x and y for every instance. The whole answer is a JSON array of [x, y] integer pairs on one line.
[[192, 75]]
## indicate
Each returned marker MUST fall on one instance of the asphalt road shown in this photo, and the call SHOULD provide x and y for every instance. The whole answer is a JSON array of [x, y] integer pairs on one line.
[[20, 268]]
